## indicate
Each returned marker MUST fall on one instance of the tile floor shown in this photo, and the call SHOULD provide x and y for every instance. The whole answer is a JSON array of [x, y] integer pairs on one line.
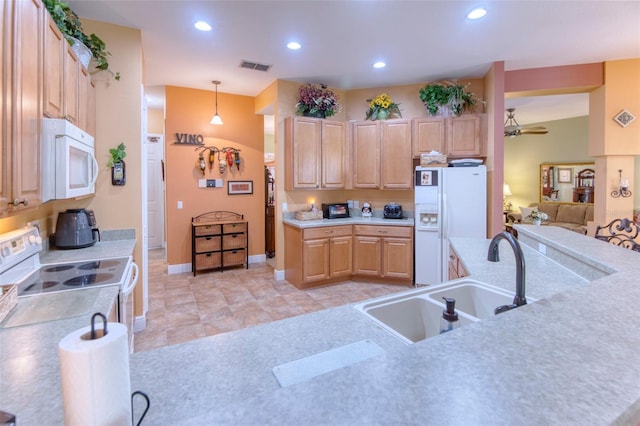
[[183, 307]]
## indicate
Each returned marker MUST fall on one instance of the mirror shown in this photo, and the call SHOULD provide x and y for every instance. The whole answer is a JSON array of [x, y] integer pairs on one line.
[[567, 182]]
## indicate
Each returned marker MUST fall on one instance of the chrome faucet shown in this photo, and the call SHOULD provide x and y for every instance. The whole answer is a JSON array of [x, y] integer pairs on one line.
[[494, 256]]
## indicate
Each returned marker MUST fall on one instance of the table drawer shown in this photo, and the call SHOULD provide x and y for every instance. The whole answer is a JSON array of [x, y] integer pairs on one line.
[[208, 260], [207, 230], [234, 257], [234, 241], [204, 244], [326, 232], [228, 228]]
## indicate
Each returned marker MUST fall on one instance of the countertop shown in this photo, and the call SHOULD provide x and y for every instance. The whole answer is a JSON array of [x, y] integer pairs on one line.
[[353, 220], [569, 358]]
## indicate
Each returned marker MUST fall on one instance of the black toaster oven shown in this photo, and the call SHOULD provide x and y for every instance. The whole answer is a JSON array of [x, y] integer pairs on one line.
[[335, 210]]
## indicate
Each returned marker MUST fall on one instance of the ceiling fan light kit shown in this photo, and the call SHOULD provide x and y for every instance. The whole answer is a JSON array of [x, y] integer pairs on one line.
[[513, 129]]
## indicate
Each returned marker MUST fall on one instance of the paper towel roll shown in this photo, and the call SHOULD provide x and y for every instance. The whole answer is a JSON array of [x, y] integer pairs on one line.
[[96, 388]]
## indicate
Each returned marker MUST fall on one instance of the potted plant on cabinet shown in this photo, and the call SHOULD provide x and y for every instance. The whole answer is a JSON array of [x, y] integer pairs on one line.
[[85, 46], [116, 162], [447, 96], [381, 108], [314, 101]]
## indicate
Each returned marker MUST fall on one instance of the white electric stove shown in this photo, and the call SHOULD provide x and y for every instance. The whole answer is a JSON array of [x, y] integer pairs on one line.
[[20, 264]]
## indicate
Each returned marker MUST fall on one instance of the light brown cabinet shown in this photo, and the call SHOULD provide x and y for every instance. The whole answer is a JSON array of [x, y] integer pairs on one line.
[[382, 154], [22, 40], [456, 269], [218, 240], [383, 252], [316, 256], [457, 137], [67, 88], [315, 153]]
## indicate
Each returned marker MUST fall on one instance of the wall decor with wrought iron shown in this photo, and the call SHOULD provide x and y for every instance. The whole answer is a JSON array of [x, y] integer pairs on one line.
[[623, 190], [225, 156]]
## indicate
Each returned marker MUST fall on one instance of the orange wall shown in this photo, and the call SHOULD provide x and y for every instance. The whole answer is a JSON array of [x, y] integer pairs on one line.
[[189, 111]]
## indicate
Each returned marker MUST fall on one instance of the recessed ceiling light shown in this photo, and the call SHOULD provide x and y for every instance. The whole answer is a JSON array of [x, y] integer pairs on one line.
[[477, 13], [379, 64], [202, 26], [294, 45]]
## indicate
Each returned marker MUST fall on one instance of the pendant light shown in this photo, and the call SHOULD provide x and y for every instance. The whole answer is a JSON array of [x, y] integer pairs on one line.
[[216, 118]]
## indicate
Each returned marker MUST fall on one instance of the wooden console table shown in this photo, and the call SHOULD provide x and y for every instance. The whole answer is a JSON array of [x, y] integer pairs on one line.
[[219, 239]]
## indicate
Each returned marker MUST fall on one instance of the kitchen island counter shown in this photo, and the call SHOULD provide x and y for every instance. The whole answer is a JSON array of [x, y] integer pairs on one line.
[[570, 358]]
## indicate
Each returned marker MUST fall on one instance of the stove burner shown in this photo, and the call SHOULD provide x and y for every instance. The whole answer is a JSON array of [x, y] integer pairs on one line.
[[58, 268], [49, 284], [98, 264], [85, 280]]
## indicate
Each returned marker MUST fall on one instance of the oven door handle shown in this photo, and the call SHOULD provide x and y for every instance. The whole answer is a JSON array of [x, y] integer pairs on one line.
[[134, 273]]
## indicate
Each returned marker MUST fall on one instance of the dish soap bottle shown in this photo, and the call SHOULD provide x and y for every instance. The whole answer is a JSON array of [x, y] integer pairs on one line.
[[449, 320]]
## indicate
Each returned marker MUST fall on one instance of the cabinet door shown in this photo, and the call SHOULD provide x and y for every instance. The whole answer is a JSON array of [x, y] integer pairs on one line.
[[333, 154], [367, 253], [463, 136], [315, 260], [366, 154], [429, 134], [5, 113], [302, 153], [397, 162], [27, 102], [84, 97], [53, 85], [71, 78], [340, 252], [397, 258]]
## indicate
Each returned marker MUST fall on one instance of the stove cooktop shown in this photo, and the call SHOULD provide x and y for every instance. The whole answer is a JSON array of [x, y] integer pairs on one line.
[[72, 276]]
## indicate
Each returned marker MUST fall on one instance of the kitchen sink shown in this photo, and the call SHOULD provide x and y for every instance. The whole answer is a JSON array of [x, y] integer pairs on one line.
[[415, 315]]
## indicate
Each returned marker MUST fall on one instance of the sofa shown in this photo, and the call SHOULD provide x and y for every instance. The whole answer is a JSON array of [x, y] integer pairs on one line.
[[569, 216]]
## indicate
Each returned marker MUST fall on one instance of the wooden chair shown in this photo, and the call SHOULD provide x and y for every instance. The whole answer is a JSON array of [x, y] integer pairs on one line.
[[621, 232]]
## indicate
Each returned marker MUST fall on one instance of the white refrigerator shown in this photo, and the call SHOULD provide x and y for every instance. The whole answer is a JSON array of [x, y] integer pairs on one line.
[[449, 202]]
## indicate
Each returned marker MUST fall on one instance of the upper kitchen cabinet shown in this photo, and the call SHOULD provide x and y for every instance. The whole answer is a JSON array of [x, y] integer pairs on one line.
[[315, 153], [67, 87], [22, 99], [455, 137], [382, 154]]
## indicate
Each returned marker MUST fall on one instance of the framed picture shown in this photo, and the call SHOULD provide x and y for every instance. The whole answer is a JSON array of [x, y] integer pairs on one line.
[[425, 178], [236, 187], [564, 175]]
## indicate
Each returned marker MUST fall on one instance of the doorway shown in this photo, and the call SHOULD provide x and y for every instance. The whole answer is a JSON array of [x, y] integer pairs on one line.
[[155, 190]]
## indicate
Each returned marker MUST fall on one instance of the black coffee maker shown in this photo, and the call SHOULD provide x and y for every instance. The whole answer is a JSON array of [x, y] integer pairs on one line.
[[76, 228]]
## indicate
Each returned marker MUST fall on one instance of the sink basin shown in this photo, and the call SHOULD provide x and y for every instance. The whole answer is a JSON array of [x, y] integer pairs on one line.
[[415, 315], [477, 300]]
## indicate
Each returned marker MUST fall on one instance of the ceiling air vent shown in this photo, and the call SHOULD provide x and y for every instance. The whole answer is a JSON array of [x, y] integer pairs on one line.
[[254, 66]]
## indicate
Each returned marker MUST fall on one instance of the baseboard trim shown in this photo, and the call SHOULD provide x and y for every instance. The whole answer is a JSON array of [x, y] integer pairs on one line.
[[278, 275], [140, 323]]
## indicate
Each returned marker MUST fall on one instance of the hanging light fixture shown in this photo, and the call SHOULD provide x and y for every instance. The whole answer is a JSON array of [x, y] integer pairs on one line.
[[216, 118]]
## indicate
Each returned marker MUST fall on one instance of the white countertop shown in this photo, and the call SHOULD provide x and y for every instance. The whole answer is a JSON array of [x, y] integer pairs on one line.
[[570, 358]]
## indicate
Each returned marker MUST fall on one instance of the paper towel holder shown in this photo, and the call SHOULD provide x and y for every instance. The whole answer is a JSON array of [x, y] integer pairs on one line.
[[96, 333], [144, 413]]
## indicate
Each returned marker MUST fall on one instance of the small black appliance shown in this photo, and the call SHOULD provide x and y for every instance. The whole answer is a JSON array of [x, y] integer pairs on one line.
[[76, 228], [392, 211]]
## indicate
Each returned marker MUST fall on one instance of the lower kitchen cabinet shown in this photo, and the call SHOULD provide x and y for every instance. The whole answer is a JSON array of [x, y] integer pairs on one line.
[[219, 240], [316, 256], [383, 252], [330, 254], [456, 269]]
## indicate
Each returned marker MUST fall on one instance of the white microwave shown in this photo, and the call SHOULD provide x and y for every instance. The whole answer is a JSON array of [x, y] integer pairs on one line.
[[69, 166]]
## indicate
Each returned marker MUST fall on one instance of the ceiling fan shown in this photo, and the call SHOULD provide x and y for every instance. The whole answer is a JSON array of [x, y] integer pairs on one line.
[[513, 129]]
